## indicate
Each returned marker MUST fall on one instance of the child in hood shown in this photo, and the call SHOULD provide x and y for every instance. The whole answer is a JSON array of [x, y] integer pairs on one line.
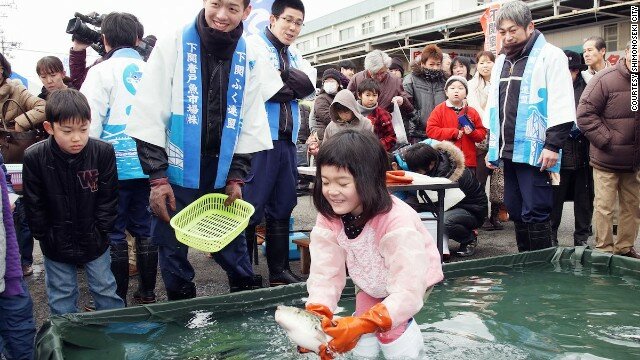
[[344, 115]]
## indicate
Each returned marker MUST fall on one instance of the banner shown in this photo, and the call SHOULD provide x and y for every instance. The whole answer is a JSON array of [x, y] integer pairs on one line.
[[259, 17], [492, 39]]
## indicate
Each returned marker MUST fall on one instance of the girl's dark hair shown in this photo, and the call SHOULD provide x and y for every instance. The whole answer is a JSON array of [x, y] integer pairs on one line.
[[420, 156], [67, 105], [49, 65], [368, 84], [488, 54], [6, 68], [464, 61], [364, 157]]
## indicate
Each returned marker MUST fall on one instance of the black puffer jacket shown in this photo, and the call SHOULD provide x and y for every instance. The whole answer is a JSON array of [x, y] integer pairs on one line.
[[451, 166], [71, 201], [575, 151]]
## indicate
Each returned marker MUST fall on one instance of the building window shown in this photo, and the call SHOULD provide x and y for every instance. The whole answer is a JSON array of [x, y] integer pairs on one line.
[[611, 37], [368, 27], [428, 11], [409, 17], [386, 23], [348, 33], [304, 46], [324, 40]]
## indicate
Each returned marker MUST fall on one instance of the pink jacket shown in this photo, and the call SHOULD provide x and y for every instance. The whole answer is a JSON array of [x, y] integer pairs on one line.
[[393, 258]]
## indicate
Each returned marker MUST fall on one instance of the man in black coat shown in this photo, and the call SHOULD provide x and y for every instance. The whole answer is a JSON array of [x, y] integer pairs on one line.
[[576, 179]]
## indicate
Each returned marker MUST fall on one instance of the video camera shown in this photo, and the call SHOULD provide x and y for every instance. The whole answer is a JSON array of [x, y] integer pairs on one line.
[[146, 45], [80, 31]]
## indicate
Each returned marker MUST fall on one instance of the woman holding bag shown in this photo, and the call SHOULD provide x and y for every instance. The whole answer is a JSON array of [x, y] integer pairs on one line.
[[19, 97]]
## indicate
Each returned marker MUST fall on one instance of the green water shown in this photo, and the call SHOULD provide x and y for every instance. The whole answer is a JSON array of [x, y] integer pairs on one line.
[[541, 312]]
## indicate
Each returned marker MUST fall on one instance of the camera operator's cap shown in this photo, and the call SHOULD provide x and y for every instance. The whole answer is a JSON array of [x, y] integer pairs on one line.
[[575, 60], [456, 78]]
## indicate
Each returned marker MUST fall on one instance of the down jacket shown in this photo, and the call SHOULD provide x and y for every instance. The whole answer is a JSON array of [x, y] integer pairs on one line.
[[33, 105], [451, 166], [71, 201], [606, 119], [426, 95]]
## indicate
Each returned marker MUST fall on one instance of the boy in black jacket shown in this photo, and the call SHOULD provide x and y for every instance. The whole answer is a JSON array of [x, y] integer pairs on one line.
[[71, 196]]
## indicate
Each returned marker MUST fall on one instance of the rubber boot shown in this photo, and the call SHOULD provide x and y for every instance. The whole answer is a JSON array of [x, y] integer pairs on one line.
[[186, 291], [367, 347], [243, 284], [522, 236], [252, 243], [120, 268], [277, 238], [147, 260], [408, 346], [540, 235]]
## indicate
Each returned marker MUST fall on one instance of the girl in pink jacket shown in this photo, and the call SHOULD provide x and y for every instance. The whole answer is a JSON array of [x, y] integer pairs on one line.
[[389, 254]]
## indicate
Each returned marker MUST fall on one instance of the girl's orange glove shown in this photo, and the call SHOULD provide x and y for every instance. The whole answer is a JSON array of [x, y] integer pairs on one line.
[[347, 330], [325, 315]]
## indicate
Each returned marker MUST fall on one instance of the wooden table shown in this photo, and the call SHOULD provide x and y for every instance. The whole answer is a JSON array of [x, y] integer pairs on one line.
[[419, 183]]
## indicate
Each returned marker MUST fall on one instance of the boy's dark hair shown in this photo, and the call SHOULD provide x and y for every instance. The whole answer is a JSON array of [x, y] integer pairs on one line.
[[67, 105], [279, 6], [6, 68], [368, 84], [346, 64], [598, 42], [464, 61], [361, 153], [49, 65], [120, 29], [419, 156]]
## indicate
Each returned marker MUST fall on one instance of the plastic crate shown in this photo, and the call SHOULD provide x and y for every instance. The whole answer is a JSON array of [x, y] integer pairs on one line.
[[208, 225]]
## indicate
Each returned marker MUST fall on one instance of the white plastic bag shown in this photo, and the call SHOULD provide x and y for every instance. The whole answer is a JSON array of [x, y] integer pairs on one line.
[[398, 126]]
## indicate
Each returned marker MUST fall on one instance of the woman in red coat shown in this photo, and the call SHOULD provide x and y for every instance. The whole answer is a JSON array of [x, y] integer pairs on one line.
[[454, 121]]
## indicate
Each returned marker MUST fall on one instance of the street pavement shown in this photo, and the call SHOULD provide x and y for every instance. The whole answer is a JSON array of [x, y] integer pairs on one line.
[[211, 280]]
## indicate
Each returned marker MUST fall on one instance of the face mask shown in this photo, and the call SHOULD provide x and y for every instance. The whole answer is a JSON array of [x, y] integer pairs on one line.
[[330, 87]]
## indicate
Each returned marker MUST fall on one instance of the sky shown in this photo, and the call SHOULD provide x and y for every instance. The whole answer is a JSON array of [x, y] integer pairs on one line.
[[40, 24]]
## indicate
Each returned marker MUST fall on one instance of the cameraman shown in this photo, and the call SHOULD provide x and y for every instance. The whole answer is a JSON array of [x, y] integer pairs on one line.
[[110, 87], [78, 54]]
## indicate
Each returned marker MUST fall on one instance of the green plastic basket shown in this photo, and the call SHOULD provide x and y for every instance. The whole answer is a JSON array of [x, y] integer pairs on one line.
[[208, 225]]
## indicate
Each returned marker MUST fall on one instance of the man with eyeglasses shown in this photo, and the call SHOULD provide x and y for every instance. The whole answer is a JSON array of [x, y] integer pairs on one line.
[[272, 187]]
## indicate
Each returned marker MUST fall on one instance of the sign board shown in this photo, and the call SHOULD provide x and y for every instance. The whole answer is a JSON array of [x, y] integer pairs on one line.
[[492, 39]]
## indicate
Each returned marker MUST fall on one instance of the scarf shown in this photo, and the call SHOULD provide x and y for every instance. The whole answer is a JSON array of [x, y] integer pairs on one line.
[[365, 111], [350, 228], [432, 75], [215, 42]]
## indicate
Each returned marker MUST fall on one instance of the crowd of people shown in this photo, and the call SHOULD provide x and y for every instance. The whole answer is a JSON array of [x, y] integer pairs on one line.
[[132, 142]]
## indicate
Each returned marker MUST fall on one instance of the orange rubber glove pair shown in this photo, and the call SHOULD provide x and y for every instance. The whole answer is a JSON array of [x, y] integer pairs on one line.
[[347, 331]]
